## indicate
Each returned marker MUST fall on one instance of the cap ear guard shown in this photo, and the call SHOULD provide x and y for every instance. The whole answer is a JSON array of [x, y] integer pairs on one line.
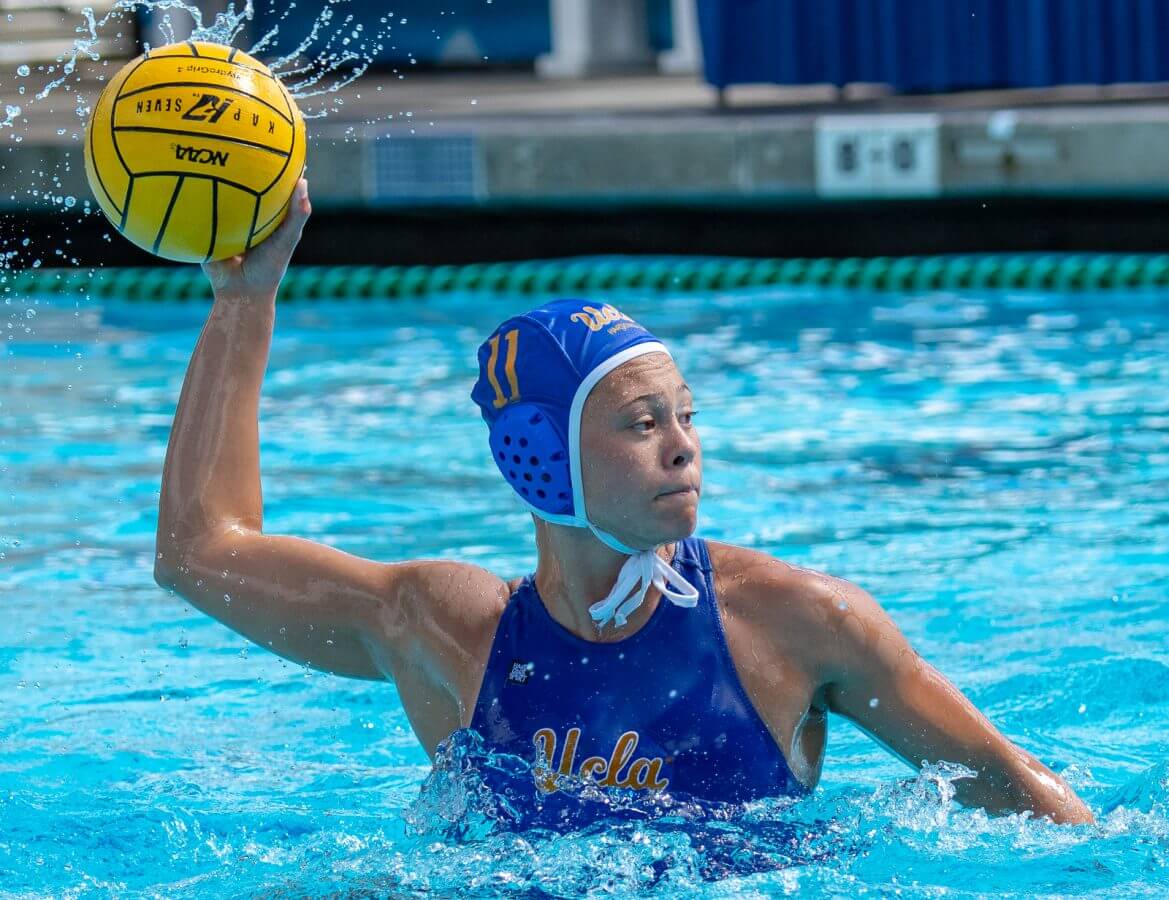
[[532, 456]]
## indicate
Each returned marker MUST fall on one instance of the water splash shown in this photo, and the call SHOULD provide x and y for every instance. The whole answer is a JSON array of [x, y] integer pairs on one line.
[[303, 76], [472, 788], [927, 802], [492, 804], [223, 30], [838, 838], [346, 53], [1148, 792], [455, 800]]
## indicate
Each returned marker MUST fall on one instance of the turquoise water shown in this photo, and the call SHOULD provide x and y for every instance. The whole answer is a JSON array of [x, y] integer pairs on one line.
[[994, 469]]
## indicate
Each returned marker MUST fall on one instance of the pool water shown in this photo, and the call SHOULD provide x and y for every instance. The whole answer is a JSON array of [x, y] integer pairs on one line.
[[993, 468]]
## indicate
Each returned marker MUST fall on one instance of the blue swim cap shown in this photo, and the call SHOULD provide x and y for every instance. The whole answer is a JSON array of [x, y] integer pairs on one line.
[[535, 372]]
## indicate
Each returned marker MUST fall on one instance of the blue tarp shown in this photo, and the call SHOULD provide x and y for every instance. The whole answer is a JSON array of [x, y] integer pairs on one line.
[[935, 45]]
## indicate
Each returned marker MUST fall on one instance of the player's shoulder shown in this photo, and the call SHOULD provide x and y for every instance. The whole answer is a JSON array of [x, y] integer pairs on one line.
[[462, 595], [764, 587]]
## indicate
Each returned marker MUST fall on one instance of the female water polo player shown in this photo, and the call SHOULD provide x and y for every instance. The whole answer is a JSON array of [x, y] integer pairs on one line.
[[636, 655]]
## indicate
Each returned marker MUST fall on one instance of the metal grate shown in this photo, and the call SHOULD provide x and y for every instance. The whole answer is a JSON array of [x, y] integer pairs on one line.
[[444, 167]]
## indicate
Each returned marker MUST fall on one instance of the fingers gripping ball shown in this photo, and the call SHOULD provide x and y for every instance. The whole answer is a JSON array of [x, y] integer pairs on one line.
[[193, 151]]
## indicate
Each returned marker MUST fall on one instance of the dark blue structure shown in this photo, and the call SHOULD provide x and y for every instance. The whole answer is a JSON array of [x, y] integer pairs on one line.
[[935, 45], [454, 31]]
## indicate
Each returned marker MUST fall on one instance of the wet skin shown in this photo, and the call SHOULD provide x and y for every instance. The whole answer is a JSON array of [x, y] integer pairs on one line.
[[802, 642]]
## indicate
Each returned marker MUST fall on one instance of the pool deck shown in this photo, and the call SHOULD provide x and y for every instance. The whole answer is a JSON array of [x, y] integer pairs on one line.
[[502, 140]]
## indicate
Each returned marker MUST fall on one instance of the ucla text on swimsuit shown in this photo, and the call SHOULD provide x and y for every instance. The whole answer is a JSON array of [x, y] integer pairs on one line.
[[643, 774]]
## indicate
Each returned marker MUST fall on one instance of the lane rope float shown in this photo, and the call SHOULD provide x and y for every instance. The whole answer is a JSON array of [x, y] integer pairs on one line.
[[655, 275]]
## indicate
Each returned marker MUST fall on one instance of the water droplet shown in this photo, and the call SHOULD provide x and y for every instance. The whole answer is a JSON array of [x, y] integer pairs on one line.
[[183, 643], [22, 71], [1083, 708], [227, 598], [673, 693], [874, 703]]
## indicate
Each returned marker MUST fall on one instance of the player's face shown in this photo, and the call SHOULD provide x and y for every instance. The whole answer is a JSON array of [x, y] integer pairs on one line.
[[641, 459]]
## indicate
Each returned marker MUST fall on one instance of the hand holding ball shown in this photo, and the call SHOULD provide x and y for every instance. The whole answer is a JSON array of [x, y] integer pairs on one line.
[[193, 151]]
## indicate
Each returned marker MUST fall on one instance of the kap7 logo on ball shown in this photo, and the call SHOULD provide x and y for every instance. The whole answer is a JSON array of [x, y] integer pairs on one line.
[[209, 108]]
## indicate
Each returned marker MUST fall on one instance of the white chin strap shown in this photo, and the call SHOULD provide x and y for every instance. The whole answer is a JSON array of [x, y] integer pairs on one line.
[[641, 570]]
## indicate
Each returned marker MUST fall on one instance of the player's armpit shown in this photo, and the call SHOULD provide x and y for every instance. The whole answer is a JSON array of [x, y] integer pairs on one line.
[[877, 680]]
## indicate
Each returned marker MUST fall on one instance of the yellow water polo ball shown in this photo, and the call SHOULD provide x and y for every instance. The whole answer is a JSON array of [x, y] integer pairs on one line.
[[193, 151]]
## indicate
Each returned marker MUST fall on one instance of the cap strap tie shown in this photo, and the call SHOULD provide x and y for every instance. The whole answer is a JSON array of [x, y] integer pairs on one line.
[[640, 571]]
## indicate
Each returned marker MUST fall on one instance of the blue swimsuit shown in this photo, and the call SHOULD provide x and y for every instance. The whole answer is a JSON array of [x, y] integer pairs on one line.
[[662, 710]]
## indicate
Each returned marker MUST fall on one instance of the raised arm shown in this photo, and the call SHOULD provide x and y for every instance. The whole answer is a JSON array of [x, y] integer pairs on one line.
[[876, 679], [305, 601]]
